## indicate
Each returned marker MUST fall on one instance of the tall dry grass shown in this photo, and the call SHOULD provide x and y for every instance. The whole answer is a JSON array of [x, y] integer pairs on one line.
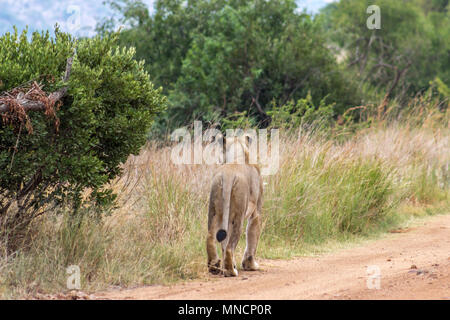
[[324, 190], [327, 190]]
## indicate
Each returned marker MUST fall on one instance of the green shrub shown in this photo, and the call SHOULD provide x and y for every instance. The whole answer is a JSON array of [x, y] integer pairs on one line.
[[302, 113], [108, 109]]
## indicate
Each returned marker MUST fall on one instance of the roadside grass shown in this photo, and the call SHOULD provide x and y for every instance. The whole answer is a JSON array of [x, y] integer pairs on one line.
[[365, 186], [327, 193]]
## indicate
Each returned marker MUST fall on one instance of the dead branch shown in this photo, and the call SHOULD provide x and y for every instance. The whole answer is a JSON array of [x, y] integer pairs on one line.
[[398, 75], [258, 106], [28, 104]]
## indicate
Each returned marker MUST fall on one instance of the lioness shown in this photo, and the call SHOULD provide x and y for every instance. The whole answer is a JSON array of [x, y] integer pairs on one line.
[[236, 193]]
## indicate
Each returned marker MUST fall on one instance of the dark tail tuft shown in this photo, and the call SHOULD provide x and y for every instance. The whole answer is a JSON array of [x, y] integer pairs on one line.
[[221, 235]]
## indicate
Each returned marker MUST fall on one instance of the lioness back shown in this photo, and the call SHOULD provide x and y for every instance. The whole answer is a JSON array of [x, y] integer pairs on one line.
[[236, 194]]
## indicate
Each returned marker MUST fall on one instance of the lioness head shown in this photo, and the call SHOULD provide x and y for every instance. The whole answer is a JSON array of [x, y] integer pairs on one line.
[[239, 149]]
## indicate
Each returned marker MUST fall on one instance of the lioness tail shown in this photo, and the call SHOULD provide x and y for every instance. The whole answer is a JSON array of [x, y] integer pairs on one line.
[[227, 186]]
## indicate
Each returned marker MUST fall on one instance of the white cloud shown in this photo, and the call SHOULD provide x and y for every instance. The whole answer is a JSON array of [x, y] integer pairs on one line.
[[312, 6], [44, 14], [78, 17]]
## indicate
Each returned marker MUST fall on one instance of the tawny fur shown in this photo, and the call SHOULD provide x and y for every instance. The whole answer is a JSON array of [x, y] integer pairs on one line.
[[236, 194]]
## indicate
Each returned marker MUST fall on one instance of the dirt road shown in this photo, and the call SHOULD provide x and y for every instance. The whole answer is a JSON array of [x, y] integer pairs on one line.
[[414, 263]]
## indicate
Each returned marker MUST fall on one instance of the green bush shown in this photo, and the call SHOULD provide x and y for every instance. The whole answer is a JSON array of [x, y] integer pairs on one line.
[[302, 113], [103, 119], [403, 56], [220, 58], [290, 116]]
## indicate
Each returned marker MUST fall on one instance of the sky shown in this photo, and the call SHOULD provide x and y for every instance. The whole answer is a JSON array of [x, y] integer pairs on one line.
[[78, 17]]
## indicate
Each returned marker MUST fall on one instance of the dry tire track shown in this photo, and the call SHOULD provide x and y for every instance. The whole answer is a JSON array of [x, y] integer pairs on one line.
[[413, 265]]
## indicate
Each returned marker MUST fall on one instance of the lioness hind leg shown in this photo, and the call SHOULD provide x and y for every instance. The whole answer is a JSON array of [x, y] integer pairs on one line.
[[214, 263], [230, 268], [253, 231], [250, 209], [229, 265]]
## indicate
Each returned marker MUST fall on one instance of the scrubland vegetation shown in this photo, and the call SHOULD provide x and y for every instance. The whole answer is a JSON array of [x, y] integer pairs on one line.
[[364, 141], [325, 190]]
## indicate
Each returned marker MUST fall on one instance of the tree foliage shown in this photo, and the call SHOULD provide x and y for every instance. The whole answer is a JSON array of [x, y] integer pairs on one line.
[[105, 116], [401, 58], [215, 58]]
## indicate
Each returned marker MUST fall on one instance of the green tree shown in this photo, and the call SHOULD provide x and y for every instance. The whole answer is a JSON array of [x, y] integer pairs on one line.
[[163, 38], [217, 57], [253, 54], [104, 117], [402, 57]]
